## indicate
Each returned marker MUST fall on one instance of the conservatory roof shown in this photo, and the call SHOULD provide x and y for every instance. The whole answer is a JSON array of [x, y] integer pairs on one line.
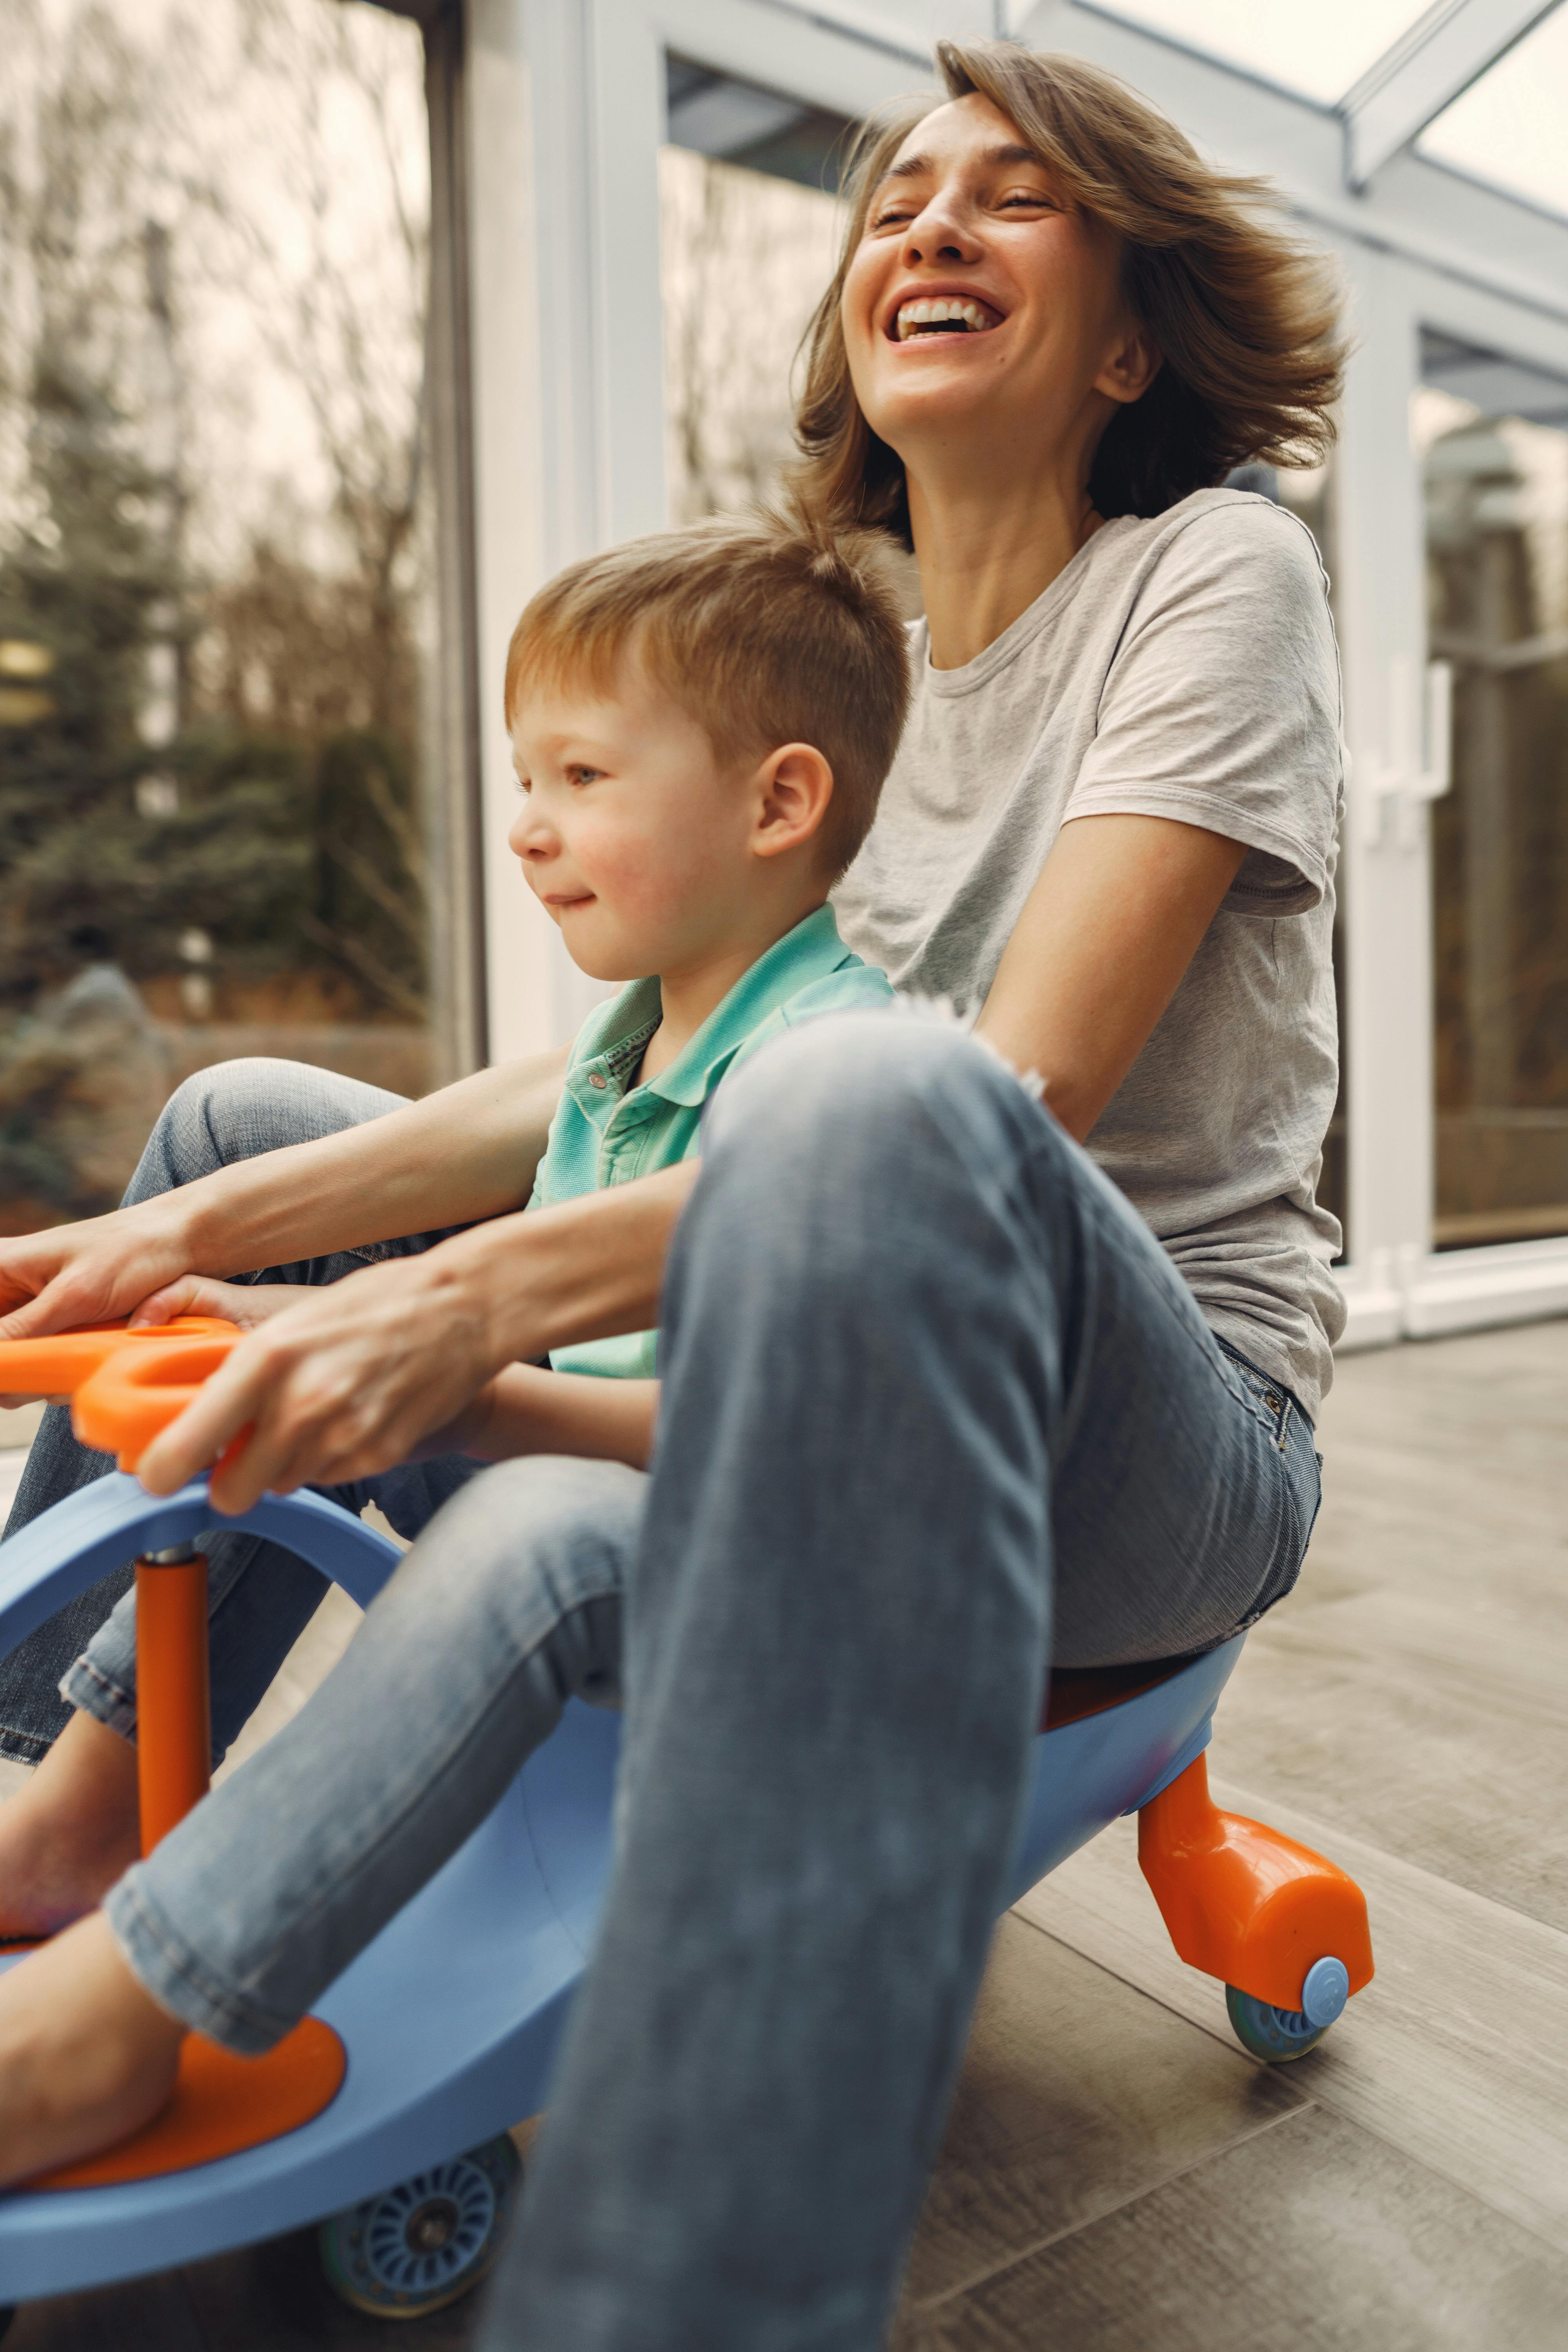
[[1478, 85]]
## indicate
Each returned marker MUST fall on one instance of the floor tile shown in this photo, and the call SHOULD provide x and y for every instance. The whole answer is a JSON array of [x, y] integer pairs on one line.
[[1456, 2051], [1312, 2237], [1077, 2092]]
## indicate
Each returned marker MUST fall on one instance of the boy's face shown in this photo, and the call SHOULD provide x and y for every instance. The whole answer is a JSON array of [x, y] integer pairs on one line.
[[640, 845]]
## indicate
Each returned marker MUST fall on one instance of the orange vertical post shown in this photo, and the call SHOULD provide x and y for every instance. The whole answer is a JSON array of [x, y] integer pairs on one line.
[[174, 1705]]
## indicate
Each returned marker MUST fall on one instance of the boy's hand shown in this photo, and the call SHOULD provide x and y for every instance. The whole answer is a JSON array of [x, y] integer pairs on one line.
[[248, 1304]]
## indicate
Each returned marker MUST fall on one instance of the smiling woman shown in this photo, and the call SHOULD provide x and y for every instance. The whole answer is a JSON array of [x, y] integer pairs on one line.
[[1242, 349]]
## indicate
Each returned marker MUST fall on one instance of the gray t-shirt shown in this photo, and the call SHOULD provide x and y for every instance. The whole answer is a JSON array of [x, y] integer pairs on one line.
[[1179, 667]]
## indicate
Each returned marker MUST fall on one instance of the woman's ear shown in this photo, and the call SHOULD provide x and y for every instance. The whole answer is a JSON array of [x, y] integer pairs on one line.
[[1131, 366], [792, 790]]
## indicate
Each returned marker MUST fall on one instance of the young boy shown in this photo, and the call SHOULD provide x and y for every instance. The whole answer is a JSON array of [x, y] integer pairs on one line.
[[701, 726], [702, 723]]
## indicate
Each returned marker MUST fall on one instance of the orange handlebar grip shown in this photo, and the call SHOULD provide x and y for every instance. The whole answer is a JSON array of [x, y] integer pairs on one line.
[[135, 1393], [173, 1706]]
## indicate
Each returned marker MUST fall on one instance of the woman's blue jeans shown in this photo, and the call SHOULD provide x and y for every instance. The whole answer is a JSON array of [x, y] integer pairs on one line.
[[936, 1408]]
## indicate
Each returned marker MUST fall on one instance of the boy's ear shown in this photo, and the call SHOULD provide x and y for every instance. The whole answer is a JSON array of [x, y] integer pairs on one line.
[[792, 788]]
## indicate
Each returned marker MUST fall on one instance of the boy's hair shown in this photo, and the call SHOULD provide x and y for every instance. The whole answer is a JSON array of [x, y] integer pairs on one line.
[[766, 629]]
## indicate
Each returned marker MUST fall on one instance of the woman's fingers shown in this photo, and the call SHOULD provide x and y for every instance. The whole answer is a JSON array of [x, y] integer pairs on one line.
[[338, 1387]]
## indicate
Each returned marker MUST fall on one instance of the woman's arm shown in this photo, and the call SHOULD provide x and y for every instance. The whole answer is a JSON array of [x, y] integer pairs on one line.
[[353, 1379], [1099, 950], [467, 1152]]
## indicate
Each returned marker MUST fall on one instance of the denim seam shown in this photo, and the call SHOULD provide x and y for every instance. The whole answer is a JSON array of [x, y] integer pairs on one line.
[[129, 1910]]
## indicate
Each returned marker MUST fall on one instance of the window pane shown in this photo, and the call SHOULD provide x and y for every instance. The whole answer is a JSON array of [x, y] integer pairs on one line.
[[1508, 126], [1493, 436], [216, 619], [1320, 51], [748, 246]]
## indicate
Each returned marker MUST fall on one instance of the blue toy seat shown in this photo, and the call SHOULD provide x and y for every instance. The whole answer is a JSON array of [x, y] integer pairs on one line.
[[451, 2017]]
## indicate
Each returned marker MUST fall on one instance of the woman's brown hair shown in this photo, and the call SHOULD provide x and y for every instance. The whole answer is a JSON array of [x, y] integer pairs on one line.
[[1245, 318]]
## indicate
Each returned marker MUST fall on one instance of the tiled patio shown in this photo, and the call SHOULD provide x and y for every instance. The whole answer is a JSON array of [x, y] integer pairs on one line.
[[1118, 2175]]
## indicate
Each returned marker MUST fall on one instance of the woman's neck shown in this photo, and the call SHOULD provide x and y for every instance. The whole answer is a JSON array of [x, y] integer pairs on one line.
[[986, 552]]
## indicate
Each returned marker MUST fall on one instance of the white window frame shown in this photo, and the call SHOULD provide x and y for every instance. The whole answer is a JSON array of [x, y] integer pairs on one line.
[[566, 117]]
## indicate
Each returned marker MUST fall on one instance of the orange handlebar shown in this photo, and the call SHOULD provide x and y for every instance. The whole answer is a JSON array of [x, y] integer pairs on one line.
[[128, 1383]]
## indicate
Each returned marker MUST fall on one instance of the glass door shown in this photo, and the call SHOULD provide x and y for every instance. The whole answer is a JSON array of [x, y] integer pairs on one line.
[[1492, 437], [219, 628]]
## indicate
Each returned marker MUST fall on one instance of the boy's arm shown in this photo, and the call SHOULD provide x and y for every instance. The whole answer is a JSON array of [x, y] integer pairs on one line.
[[467, 1152], [526, 1410]]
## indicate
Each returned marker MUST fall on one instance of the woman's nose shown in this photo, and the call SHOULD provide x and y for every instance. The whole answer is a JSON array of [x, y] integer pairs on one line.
[[941, 233]]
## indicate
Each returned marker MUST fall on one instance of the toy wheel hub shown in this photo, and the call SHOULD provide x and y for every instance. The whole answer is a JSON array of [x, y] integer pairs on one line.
[[419, 2235], [430, 2226]]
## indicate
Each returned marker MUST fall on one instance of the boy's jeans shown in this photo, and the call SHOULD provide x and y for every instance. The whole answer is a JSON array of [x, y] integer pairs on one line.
[[934, 1403], [219, 1117]]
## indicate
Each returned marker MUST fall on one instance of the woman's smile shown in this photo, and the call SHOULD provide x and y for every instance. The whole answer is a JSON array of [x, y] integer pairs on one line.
[[928, 313]]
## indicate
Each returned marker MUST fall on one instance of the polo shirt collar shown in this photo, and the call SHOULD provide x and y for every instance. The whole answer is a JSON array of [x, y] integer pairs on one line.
[[807, 954]]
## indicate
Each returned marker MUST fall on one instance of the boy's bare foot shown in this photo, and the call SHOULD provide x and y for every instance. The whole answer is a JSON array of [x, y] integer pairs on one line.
[[86, 2054], [69, 1833]]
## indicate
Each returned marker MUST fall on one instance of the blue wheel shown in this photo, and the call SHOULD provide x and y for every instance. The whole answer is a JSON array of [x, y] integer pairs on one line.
[[1275, 2034], [422, 2244], [1270, 2034]]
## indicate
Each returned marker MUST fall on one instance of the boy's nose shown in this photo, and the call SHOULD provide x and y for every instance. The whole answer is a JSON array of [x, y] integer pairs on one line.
[[531, 837]]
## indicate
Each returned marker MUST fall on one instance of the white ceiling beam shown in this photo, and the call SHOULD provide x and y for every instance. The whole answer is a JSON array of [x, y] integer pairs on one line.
[[1442, 54]]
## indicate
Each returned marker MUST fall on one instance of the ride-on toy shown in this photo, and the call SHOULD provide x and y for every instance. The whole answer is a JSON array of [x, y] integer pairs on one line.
[[442, 2033]]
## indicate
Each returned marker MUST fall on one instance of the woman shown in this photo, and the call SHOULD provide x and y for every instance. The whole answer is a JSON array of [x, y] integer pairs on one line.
[[938, 1404]]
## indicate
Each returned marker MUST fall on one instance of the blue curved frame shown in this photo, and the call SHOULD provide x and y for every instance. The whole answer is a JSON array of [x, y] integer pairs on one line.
[[452, 2016]]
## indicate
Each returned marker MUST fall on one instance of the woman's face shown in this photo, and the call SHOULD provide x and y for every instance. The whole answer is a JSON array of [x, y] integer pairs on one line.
[[980, 306]]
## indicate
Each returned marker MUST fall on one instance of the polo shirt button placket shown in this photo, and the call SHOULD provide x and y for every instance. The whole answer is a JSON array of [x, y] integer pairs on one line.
[[597, 1080]]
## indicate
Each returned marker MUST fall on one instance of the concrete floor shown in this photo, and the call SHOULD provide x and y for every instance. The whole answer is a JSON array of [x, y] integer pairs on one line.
[[1117, 2174]]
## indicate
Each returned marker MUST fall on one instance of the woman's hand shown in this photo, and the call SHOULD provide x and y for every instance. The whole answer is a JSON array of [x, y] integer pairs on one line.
[[340, 1384], [355, 1378], [94, 1272]]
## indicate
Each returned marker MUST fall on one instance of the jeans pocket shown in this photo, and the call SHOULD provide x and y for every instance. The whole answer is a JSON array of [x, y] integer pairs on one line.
[[1264, 1397]]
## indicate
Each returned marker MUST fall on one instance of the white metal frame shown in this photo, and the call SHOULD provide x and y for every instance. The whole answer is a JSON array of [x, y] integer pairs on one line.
[[566, 118]]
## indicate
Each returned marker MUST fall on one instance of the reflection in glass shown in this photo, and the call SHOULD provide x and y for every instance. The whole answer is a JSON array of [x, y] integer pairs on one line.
[[1493, 438], [216, 607]]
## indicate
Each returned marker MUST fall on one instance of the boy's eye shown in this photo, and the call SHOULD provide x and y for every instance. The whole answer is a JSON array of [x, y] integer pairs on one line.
[[524, 784], [578, 774]]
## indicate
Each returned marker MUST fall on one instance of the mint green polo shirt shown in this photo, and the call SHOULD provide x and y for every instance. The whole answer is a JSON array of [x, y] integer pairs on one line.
[[607, 1131]]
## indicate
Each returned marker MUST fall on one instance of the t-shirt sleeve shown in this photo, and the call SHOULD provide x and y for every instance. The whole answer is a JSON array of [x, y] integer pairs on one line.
[[1221, 706]]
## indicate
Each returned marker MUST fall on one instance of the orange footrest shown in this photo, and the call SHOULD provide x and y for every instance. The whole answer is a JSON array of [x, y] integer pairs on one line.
[[221, 2104]]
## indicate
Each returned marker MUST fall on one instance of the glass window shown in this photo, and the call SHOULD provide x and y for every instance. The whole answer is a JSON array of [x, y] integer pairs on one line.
[[1493, 436], [216, 612], [1319, 51], [750, 234], [1508, 127]]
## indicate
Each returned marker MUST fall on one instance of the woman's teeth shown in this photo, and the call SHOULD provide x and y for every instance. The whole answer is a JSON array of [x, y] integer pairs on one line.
[[943, 314]]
